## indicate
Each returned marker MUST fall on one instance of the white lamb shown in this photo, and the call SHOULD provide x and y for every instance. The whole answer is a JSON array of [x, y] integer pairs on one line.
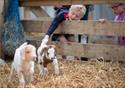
[[23, 64], [46, 55]]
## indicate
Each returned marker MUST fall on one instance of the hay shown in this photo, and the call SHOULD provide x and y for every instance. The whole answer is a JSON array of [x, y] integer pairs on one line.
[[74, 74]]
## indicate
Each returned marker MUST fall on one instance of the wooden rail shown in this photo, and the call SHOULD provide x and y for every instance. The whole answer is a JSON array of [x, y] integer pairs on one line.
[[109, 52], [1, 3], [65, 2], [39, 12], [82, 27]]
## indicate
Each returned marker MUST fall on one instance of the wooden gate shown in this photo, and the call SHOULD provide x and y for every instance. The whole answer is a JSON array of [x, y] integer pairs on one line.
[[90, 27]]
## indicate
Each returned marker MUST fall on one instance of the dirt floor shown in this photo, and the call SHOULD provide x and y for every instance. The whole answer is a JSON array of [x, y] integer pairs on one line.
[[73, 74]]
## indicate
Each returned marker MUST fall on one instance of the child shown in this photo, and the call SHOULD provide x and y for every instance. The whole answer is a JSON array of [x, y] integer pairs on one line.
[[119, 11], [75, 12]]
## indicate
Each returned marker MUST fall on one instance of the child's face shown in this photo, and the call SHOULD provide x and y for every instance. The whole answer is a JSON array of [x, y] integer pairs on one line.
[[118, 9], [74, 14]]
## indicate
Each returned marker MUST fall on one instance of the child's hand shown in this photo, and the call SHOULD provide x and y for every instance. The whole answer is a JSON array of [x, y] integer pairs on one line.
[[103, 20], [69, 19], [45, 40], [78, 21]]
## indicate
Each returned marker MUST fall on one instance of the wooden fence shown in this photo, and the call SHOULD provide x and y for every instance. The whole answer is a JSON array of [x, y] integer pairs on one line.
[[1, 2], [89, 27], [86, 27]]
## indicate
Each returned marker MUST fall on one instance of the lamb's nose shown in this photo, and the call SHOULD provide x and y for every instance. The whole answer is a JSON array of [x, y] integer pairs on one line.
[[34, 58]]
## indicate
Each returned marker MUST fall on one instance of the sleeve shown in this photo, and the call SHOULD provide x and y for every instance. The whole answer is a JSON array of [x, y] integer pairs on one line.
[[56, 21]]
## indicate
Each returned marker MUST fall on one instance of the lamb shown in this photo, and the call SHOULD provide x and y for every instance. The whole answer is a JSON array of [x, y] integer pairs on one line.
[[46, 55], [23, 64]]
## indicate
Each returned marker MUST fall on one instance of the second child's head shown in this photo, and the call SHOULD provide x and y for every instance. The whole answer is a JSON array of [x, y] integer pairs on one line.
[[118, 8], [76, 12]]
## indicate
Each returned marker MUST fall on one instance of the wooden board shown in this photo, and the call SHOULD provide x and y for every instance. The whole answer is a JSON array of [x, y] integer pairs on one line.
[[1, 4], [39, 12], [65, 2], [92, 50], [27, 13], [109, 52], [82, 27]]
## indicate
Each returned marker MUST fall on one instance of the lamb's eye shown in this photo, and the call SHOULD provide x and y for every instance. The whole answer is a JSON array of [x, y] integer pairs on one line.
[[27, 51], [47, 53]]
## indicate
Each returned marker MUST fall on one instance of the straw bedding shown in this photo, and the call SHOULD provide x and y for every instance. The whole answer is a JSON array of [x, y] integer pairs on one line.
[[73, 74]]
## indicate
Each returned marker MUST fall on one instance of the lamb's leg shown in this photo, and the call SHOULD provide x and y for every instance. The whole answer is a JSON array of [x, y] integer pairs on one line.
[[40, 69], [11, 74], [29, 78], [21, 80], [56, 66], [31, 72], [43, 70], [40, 64]]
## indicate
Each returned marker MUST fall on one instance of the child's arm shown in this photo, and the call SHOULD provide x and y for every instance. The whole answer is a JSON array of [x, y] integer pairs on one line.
[[56, 21]]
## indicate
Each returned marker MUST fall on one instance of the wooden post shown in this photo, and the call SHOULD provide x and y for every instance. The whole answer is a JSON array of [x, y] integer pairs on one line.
[[1, 5], [39, 12], [90, 16], [26, 12]]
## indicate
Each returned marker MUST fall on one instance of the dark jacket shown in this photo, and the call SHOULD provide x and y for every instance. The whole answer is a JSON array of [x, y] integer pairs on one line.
[[56, 21]]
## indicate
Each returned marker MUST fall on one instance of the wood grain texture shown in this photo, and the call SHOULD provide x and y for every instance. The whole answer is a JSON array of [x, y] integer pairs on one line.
[[109, 52], [39, 12], [77, 27], [65, 2]]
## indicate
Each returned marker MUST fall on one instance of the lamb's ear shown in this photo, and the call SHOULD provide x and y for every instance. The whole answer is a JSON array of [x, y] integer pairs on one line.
[[23, 45], [17, 54], [49, 46], [52, 46]]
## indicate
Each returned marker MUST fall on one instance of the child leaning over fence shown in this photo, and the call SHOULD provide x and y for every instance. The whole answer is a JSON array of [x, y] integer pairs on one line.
[[75, 12]]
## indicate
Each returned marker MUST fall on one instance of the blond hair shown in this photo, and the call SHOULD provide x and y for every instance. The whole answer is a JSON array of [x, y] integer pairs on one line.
[[79, 8]]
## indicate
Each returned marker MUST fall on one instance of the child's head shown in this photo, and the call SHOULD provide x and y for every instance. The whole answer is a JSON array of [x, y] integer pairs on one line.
[[118, 8], [76, 12]]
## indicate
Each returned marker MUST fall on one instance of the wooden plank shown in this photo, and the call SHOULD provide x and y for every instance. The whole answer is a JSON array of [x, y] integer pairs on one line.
[[5, 7], [65, 2], [26, 12], [90, 16], [92, 50], [109, 52], [39, 36], [1, 4], [39, 12], [82, 27]]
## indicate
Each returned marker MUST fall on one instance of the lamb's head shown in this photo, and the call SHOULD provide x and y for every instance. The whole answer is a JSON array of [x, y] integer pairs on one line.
[[52, 51], [46, 55], [49, 50], [30, 52]]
